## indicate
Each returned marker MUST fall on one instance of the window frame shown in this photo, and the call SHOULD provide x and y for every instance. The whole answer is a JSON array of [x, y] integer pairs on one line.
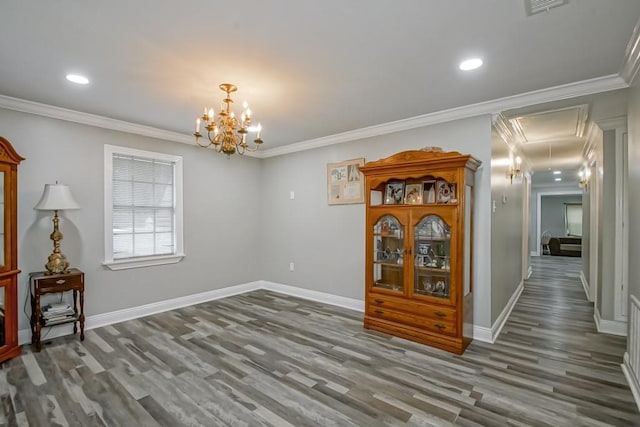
[[141, 261]]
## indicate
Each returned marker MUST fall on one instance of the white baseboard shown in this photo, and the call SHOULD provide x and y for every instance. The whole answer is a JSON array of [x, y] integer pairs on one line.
[[585, 286], [529, 272], [24, 336], [632, 379], [491, 334], [497, 326], [483, 334], [350, 303], [104, 319], [535, 253], [611, 327]]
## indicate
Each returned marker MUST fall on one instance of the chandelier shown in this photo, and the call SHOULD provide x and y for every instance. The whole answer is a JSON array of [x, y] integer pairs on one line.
[[225, 132]]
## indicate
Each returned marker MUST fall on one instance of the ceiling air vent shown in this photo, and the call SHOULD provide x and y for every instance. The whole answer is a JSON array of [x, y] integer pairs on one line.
[[537, 6]]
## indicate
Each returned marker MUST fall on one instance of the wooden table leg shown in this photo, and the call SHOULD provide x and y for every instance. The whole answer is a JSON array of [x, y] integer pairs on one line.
[[75, 310], [82, 315], [38, 326]]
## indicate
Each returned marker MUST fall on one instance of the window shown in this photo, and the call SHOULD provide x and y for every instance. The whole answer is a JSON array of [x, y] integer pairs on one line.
[[143, 208], [573, 219]]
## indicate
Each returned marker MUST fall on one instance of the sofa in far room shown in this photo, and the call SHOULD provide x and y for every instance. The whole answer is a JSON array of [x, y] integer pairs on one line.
[[565, 246]]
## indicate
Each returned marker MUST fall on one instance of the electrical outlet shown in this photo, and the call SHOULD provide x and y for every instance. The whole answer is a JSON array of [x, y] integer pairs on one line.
[[292, 195], [291, 266]]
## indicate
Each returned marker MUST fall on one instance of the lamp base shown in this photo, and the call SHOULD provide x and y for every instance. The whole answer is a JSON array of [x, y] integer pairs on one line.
[[57, 264], [57, 261]]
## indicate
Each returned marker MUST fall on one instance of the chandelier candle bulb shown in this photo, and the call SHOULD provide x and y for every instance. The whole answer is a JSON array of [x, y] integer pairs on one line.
[[198, 125]]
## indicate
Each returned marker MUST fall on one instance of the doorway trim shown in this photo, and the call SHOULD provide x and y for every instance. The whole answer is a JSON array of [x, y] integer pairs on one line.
[[539, 210]]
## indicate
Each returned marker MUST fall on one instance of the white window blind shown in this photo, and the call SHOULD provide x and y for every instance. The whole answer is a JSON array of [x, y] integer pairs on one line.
[[142, 196], [143, 207], [573, 218]]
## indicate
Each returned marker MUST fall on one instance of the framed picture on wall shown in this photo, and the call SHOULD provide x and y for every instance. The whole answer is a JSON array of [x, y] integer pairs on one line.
[[345, 182]]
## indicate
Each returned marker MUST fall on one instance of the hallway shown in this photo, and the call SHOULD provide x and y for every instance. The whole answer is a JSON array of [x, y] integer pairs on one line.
[[551, 340]]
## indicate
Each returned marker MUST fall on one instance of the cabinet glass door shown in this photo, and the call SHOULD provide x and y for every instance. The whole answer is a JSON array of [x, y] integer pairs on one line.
[[432, 268], [388, 254]]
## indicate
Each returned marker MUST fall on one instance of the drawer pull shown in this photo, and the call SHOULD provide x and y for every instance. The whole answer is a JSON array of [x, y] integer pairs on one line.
[[439, 326], [440, 314], [60, 282], [379, 301], [379, 312]]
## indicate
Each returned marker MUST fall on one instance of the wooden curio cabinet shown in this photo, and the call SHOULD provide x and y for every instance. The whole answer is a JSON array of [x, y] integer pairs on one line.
[[418, 247], [9, 161]]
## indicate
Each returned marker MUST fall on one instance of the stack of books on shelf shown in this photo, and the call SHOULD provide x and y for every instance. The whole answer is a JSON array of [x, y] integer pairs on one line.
[[58, 312]]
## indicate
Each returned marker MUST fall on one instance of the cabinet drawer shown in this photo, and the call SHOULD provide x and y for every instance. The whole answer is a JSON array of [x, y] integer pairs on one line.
[[52, 284], [432, 325], [413, 307]]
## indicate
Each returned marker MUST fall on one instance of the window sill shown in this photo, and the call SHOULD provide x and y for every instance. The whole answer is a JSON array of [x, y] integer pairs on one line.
[[143, 262]]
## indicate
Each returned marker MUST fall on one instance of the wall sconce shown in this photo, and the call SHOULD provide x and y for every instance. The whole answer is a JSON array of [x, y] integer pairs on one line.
[[515, 170], [584, 176]]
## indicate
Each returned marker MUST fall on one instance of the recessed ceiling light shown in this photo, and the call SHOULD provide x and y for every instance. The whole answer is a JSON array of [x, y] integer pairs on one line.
[[558, 179], [77, 78], [470, 64], [557, 172]]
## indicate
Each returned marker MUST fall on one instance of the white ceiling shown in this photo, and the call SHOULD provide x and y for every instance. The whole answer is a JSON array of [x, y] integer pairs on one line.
[[308, 69]]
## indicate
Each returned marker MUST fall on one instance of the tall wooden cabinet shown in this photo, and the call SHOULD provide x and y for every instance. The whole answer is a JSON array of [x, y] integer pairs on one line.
[[418, 247], [9, 161]]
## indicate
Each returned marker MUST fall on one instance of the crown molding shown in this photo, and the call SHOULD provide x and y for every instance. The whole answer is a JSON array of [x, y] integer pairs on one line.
[[22, 105], [493, 107], [504, 129], [613, 123], [593, 132], [585, 87], [631, 62]]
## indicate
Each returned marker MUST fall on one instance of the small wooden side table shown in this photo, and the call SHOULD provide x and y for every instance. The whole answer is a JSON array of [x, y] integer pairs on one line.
[[42, 283]]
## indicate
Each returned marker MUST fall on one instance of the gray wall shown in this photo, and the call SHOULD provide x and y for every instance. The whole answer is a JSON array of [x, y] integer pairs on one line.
[[552, 212], [240, 225], [221, 214], [633, 124], [326, 243], [506, 233]]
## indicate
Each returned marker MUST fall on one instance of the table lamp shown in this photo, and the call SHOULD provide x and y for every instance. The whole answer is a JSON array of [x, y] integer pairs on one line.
[[56, 197]]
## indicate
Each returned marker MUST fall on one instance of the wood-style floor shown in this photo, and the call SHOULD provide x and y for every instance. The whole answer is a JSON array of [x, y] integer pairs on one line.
[[268, 359]]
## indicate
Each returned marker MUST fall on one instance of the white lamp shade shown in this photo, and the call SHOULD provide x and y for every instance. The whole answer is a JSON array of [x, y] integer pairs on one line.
[[56, 197]]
